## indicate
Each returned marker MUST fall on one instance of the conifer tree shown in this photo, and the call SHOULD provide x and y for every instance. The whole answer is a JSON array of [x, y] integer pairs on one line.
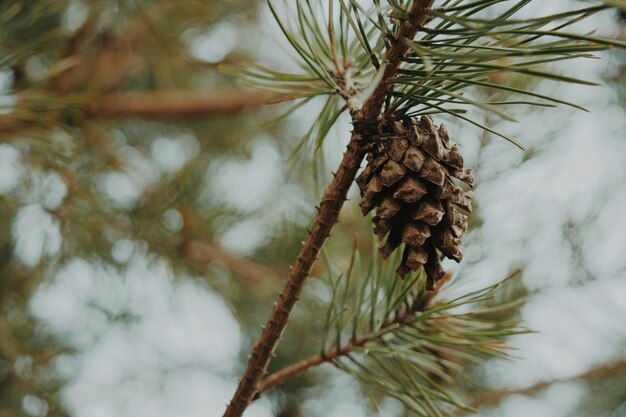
[[390, 67], [114, 135]]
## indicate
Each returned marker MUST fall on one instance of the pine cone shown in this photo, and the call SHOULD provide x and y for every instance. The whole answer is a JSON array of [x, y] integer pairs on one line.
[[409, 179]]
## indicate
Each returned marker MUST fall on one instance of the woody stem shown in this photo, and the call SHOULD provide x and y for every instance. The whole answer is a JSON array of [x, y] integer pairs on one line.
[[365, 122]]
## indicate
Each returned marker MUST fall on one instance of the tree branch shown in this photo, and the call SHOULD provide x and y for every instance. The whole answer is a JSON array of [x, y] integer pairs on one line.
[[365, 122], [146, 104], [279, 377], [493, 398], [328, 212], [175, 103], [415, 18]]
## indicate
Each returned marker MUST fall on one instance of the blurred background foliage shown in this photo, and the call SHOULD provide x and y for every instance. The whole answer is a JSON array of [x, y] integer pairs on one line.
[[149, 213]]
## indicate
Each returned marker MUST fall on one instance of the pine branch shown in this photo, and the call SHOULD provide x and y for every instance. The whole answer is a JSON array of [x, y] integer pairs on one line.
[[263, 349], [146, 104], [493, 398], [416, 18], [155, 104], [400, 319], [331, 202]]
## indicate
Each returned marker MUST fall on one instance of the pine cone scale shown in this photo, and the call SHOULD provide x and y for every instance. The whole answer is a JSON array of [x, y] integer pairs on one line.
[[392, 172], [411, 190]]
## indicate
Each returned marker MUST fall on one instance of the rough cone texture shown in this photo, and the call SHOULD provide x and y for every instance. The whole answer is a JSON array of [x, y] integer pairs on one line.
[[410, 181]]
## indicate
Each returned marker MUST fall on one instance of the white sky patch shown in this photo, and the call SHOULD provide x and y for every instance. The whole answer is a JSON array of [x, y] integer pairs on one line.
[[173, 220], [122, 249], [341, 397], [120, 189], [247, 184], [167, 155], [36, 67], [53, 190], [171, 154], [260, 408], [45, 188], [34, 406], [606, 255], [146, 346], [142, 170], [6, 80], [244, 237], [75, 15], [577, 327], [36, 234], [11, 168], [214, 45], [560, 400], [7, 103]]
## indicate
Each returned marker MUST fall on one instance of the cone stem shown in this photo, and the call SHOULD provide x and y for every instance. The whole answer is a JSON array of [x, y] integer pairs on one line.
[[364, 121]]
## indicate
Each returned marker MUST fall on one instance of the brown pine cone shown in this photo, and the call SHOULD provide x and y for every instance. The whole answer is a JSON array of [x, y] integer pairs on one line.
[[410, 180]]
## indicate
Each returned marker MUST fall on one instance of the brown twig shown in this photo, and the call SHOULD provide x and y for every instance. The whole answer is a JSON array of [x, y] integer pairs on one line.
[[328, 212], [415, 18], [284, 374], [365, 122], [175, 103], [493, 398], [146, 104], [279, 377]]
